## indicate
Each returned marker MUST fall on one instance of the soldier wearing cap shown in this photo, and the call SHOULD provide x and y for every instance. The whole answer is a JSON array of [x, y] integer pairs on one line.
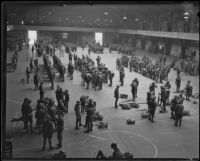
[[66, 100], [77, 110], [47, 130], [60, 128], [41, 89], [178, 83], [116, 95], [152, 107], [28, 72], [178, 113], [117, 153], [90, 114], [27, 114], [174, 102], [188, 91]]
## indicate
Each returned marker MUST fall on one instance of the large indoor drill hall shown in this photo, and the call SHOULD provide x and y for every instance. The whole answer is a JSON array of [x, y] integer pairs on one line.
[[100, 80]]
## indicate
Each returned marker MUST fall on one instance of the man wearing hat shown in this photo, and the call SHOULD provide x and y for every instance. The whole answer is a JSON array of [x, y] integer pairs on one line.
[[178, 113], [41, 88], [116, 95], [90, 114], [77, 110], [27, 114], [47, 130], [152, 106], [60, 126], [188, 91], [117, 153], [66, 100]]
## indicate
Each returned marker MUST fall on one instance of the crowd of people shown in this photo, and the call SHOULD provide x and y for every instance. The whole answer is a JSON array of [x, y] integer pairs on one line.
[[189, 67], [122, 49], [49, 115], [95, 48]]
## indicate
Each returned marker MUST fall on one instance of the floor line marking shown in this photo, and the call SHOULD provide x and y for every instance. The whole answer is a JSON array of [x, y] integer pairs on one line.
[[132, 133], [97, 137]]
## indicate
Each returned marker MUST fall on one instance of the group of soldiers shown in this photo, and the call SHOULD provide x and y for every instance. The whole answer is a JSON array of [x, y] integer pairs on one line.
[[95, 48], [97, 75], [156, 72], [126, 50], [189, 67]]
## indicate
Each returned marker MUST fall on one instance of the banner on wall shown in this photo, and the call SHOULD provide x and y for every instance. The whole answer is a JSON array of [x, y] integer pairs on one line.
[[64, 35]]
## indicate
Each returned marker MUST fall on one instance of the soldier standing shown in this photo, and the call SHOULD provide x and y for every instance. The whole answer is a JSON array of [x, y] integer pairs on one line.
[[178, 113], [77, 110], [173, 106], [60, 126], [36, 81], [27, 114], [168, 86], [40, 115], [137, 83], [89, 117], [153, 106], [133, 89], [178, 83], [47, 130], [41, 88], [111, 75], [122, 75], [66, 100], [28, 72], [116, 95], [188, 91]]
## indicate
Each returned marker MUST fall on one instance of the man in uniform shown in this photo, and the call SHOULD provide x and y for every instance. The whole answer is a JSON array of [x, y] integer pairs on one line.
[[117, 153], [89, 117], [41, 88], [36, 80], [116, 95], [66, 100], [178, 113], [60, 126], [111, 75], [178, 83], [152, 108], [77, 110], [174, 102], [133, 89], [27, 114], [137, 83], [47, 130], [122, 75], [188, 91]]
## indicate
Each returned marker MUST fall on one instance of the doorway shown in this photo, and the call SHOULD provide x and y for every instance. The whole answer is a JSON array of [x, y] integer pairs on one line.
[[32, 36], [99, 37]]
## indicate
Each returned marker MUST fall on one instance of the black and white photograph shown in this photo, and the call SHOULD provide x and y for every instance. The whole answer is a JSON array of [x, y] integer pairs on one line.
[[100, 80]]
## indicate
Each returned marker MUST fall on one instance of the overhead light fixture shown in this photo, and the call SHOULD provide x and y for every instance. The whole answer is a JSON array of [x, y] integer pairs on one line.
[[98, 19], [136, 19], [49, 13], [105, 13], [124, 17], [22, 22], [31, 21], [186, 14], [110, 20]]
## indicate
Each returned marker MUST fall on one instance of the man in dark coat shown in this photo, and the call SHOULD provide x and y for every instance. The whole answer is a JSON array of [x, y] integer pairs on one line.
[[122, 75], [66, 100], [36, 80], [111, 75], [41, 88], [116, 95], [60, 126], [77, 110], [179, 114], [152, 107], [27, 114], [47, 130], [178, 83], [188, 91], [89, 117], [133, 89]]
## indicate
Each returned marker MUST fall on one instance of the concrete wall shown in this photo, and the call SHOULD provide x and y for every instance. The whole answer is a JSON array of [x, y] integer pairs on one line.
[[45, 35]]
